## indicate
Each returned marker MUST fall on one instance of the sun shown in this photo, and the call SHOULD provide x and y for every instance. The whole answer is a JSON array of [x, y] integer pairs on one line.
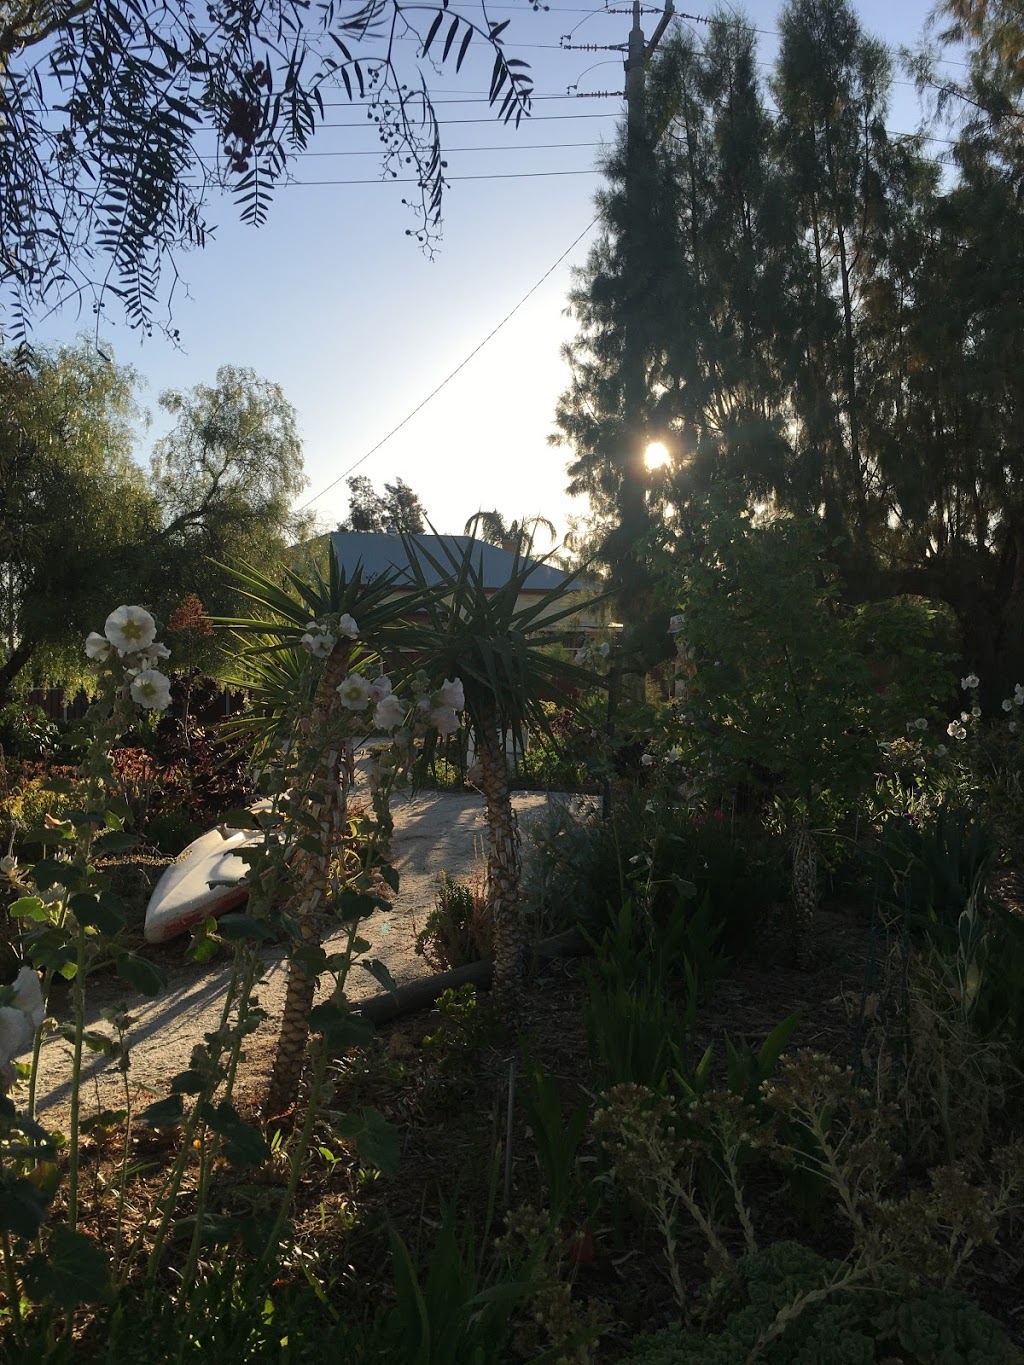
[[657, 456]]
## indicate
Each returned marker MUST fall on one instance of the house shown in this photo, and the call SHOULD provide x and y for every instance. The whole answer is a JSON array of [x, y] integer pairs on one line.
[[377, 553]]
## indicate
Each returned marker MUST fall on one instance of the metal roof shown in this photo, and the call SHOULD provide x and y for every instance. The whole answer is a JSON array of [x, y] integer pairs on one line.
[[378, 553]]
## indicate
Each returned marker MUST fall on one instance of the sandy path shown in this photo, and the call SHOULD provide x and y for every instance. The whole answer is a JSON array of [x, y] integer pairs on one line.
[[432, 833]]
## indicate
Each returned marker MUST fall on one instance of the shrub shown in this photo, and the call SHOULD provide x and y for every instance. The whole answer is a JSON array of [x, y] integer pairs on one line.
[[458, 929]]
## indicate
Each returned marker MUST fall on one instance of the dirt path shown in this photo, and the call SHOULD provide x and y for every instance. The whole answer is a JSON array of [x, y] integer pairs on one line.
[[432, 833]]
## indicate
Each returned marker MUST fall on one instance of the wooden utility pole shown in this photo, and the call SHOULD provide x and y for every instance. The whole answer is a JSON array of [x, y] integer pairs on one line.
[[629, 570], [638, 192]]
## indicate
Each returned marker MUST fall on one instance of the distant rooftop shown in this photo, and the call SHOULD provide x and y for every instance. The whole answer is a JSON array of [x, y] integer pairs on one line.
[[379, 553]]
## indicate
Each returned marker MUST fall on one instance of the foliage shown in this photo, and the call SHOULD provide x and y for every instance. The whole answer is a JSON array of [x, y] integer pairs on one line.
[[106, 156], [781, 693], [398, 512], [520, 535], [456, 930], [797, 1313], [896, 263], [464, 1024]]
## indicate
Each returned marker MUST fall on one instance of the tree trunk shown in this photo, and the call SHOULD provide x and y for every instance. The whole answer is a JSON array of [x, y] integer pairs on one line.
[[503, 868], [16, 661], [311, 872]]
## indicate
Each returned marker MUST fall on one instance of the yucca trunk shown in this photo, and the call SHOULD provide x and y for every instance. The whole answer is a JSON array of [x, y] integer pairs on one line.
[[805, 893], [503, 869], [310, 873]]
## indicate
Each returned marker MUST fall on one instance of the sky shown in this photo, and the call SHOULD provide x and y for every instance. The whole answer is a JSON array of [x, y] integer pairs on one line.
[[333, 300]]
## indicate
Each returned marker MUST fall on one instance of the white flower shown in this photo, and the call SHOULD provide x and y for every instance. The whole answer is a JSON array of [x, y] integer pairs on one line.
[[8, 864], [130, 629], [155, 654], [674, 755], [388, 714], [451, 693], [354, 692], [955, 730], [97, 646], [1008, 704], [971, 681], [151, 689], [921, 723], [444, 720], [919, 762], [975, 711], [676, 623], [380, 688], [941, 750], [1012, 727], [649, 808], [319, 643], [646, 760], [583, 655], [604, 649], [348, 627], [1018, 694], [18, 1023]]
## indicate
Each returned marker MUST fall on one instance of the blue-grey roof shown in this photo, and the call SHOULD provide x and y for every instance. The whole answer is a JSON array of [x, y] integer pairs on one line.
[[378, 553]]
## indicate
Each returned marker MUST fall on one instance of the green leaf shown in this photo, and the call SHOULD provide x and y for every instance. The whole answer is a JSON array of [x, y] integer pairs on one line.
[[144, 976], [360, 904], [28, 907], [115, 843], [48, 836], [239, 926], [375, 1139], [22, 1205], [240, 819], [74, 1270], [101, 912], [341, 1028], [106, 1118], [166, 1113], [390, 875], [187, 1083], [52, 872], [380, 973], [245, 1145]]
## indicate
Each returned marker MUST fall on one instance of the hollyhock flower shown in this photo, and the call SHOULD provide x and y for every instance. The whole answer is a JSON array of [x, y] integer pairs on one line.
[[941, 750], [8, 864], [921, 723], [380, 688], [1008, 704], [388, 714], [1012, 727], [975, 711], [676, 623], [451, 693], [1018, 694], [674, 755], [97, 646], [130, 629], [583, 655], [646, 760], [444, 720], [347, 627], [604, 649], [319, 643], [18, 1023], [955, 730], [354, 692], [971, 681], [151, 689]]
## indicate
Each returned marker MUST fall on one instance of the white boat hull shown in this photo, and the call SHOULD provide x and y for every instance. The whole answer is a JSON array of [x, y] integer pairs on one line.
[[184, 896]]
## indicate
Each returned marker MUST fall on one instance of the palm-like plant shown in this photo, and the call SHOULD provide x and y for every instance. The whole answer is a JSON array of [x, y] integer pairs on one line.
[[277, 674], [493, 528], [500, 648]]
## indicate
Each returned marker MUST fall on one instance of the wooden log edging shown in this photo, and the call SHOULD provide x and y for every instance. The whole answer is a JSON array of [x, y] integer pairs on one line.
[[421, 993]]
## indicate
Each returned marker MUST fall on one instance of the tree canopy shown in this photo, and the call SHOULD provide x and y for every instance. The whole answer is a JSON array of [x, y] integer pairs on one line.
[[836, 324], [105, 176], [396, 511], [84, 526]]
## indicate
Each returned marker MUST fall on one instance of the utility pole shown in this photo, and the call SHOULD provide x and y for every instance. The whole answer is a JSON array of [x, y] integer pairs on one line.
[[638, 192]]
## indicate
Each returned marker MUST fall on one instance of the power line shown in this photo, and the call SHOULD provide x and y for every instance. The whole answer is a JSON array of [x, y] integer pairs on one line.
[[447, 380], [414, 180]]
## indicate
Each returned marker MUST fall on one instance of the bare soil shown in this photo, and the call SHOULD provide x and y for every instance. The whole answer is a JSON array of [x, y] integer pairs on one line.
[[434, 832]]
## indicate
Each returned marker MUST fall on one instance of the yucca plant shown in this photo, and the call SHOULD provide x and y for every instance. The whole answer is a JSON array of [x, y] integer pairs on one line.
[[287, 690], [501, 649]]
